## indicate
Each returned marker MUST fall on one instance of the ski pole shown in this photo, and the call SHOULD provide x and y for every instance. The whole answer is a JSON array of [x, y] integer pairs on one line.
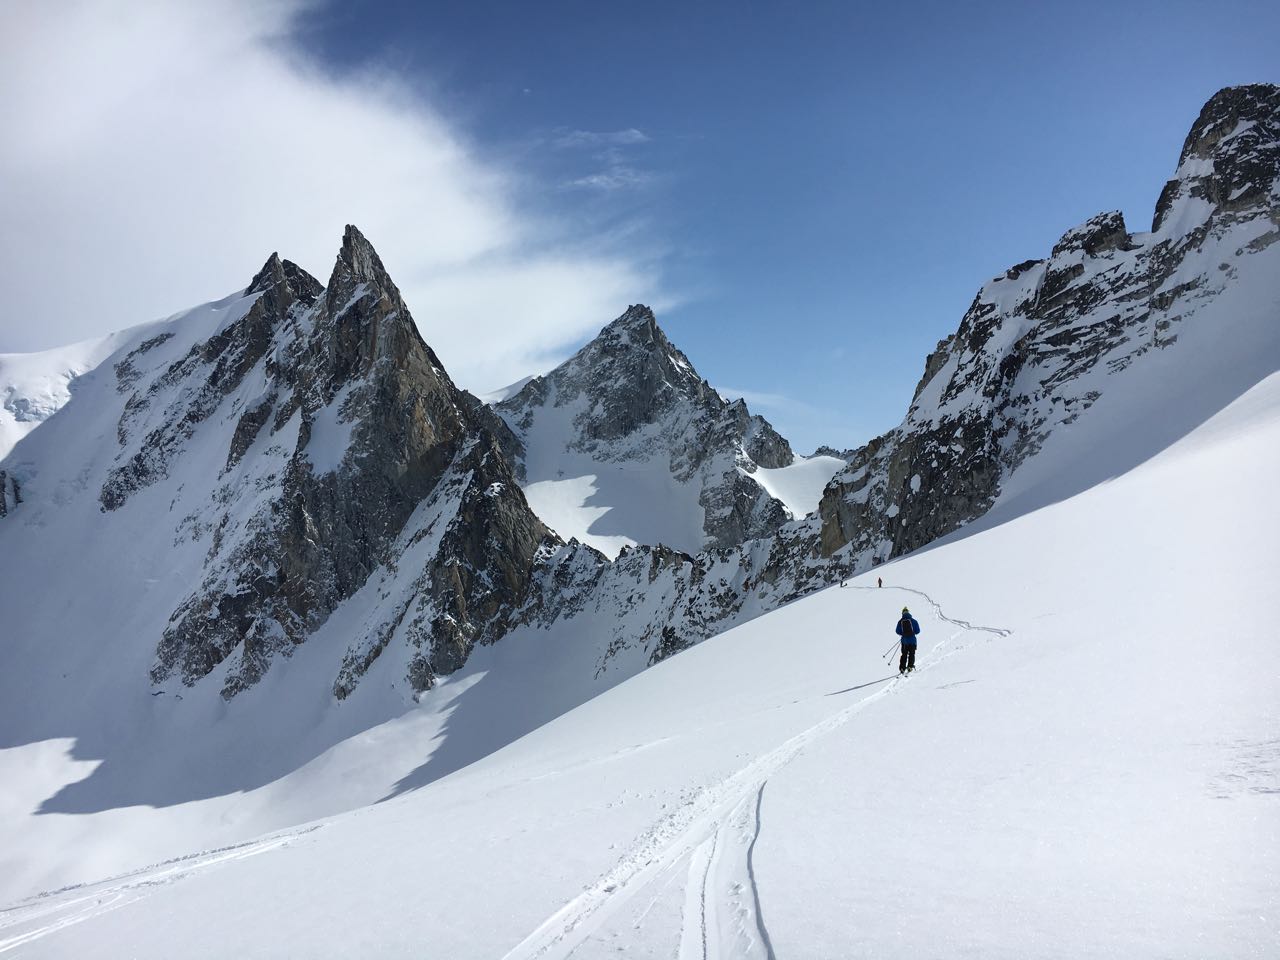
[[888, 653]]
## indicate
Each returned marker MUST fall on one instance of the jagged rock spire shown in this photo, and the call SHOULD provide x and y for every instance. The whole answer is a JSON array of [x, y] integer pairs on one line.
[[272, 273], [286, 281], [360, 261]]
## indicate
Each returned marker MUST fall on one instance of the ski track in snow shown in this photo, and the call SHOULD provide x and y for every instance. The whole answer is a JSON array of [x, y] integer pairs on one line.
[[55, 910], [722, 875], [717, 832]]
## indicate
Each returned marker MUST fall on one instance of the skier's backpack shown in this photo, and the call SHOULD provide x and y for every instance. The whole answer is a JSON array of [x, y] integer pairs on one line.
[[908, 631]]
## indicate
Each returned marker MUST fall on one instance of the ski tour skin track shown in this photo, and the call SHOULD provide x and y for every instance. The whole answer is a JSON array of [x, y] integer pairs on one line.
[[715, 834], [707, 843]]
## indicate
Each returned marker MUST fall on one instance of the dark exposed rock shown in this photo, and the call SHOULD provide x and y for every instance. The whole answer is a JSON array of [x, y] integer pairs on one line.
[[1230, 156], [1097, 235], [827, 451], [510, 444]]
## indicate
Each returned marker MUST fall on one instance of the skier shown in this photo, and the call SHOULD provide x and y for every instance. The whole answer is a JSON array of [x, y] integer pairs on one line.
[[908, 630], [879, 582]]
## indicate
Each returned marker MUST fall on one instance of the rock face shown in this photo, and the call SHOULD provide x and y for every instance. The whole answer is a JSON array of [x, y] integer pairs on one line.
[[10, 493], [350, 444], [632, 399], [1039, 344]]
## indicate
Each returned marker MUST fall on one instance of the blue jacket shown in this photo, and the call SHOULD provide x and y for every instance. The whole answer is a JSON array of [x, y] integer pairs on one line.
[[915, 627]]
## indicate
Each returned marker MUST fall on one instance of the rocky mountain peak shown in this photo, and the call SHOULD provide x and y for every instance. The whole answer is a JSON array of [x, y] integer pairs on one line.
[[370, 320], [1098, 234], [635, 338], [360, 261], [630, 375], [285, 283], [636, 316], [342, 428], [1231, 157], [1252, 104], [631, 397], [272, 273]]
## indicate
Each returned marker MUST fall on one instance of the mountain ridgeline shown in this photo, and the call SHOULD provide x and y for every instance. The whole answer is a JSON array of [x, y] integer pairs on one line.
[[309, 462]]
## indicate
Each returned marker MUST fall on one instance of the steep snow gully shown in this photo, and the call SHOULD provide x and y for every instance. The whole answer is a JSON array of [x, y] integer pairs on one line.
[[709, 839], [706, 843]]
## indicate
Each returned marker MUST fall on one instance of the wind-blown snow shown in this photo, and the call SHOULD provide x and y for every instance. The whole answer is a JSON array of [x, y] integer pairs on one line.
[[504, 393]]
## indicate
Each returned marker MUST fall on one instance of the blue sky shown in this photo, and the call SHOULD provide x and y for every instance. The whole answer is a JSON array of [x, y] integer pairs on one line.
[[811, 194], [827, 184]]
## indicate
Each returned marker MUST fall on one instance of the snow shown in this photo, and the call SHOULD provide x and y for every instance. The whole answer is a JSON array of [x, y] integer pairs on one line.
[[505, 393], [34, 386], [800, 484], [330, 434], [607, 505], [1085, 762]]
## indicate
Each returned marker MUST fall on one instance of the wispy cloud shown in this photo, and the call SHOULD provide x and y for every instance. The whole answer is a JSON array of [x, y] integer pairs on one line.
[[615, 166], [155, 154], [595, 138], [769, 401], [615, 177]]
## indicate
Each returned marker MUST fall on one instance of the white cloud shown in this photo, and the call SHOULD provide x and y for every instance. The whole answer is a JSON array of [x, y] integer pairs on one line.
[[595, 138], [614, 177], [154, 154]]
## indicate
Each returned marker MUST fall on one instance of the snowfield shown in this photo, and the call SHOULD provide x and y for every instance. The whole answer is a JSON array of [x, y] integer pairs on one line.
[[607, 505], [1086, 763], [799, 485], [34, 386]]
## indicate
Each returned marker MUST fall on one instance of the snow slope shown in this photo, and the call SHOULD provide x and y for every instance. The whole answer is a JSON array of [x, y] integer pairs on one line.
[[1085, 764], [604, 504], [34, 386], [799, 485]]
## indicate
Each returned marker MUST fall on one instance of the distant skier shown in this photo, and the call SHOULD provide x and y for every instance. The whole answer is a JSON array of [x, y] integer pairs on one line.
[[908, 630], [879, 582]]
